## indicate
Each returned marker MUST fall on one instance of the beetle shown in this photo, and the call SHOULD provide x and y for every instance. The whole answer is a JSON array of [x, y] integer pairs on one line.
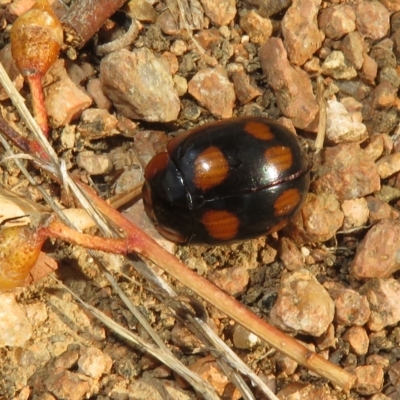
[[226, 182]]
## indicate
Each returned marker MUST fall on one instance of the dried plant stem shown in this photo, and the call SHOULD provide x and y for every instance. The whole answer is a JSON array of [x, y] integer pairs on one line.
[[121, 199], [319, 141], [42, 148], [138, 242], [58, 230], [161, 353], [39, 109], [85, 18], [143, 245]]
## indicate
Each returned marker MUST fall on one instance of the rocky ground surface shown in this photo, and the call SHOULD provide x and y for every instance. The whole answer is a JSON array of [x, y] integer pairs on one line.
[[330, 279]]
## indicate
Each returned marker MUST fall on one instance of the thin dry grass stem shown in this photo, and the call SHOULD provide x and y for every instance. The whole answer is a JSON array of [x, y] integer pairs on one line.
[[148, 248], [131, 307], [219, 349], [31, 123], [236, 362], [140, 243], [52, 164], [26, 209], [166, 355], [321, 93], [228, 361], [226, 358], [186, 25], [122, 199], [161, 353], [104, 243]]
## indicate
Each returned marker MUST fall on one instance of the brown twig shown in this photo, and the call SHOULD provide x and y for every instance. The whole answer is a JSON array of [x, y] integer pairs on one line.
[[86, 17], [138, 242], [39, 109], [26, 145], [145, 246], [319, 141]]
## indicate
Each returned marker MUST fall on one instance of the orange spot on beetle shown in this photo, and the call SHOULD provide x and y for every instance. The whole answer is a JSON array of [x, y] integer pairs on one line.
[[258, 130], [279, 156], [287, 202], [221, 225], [210, 168]]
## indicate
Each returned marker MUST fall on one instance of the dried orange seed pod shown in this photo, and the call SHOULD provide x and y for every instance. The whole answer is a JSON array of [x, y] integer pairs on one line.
[[36, 38], [19, 250]]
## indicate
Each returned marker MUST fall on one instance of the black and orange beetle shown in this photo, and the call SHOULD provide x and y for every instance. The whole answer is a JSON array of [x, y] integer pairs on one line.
[[226, 182]]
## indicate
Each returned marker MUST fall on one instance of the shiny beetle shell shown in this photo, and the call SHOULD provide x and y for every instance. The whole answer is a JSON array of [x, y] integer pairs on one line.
[[226, 182]]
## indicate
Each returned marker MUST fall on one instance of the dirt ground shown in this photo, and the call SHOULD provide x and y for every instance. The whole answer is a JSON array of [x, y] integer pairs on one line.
[[206, 62]]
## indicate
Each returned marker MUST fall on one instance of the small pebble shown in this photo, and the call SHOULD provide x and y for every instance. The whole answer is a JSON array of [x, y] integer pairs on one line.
[[94, 363], [207, 368], [213, 90], [303, 305], [337, 66], [140, 85], [338, 20], [292, 86], [369, 379], [258, 28], [244, 339], [15, 328], [378, 255], [355, 212], [300, 31], [372, 19], [94, 164], [357, 337], [340, 126], [384, 298]]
